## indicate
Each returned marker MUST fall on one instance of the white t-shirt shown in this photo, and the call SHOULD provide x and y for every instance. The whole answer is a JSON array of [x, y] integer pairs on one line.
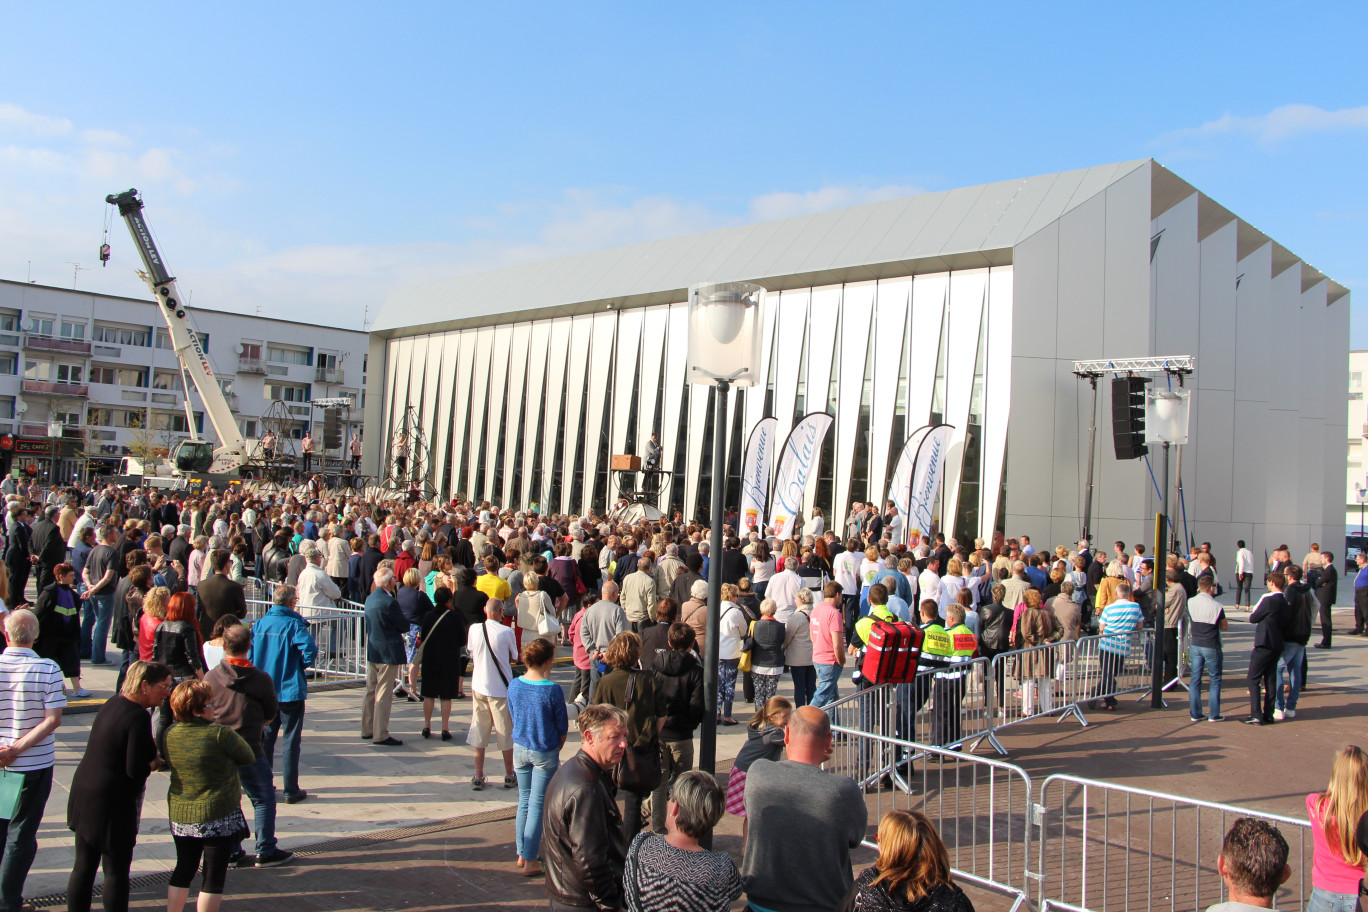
[[486, 662], [929, 586], [847, 569]]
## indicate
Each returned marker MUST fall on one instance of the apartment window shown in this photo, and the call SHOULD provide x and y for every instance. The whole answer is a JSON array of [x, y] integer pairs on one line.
[[365, 360], [1355, 397], [119, 335], [75, 331], [6, 406], [39, 326], [327, 361], [100, 417], [128, 418], [289, 392], [72, 418], [249, 429], [9, 322], [251, 351], [163, 339], [69, 373], [166, 380], [169, 421], [9, 364], [1355, 377], [37, 370], [102, 374], [280, 355]]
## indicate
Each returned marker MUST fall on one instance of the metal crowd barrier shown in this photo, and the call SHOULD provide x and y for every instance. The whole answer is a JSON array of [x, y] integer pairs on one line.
[[945, 707], [341, 637], [980, 806], [1100, 843]]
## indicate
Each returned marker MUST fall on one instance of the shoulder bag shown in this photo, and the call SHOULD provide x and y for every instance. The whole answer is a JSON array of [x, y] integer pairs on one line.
[[639, 769], [422, 646], [484, 628], [547, 625]]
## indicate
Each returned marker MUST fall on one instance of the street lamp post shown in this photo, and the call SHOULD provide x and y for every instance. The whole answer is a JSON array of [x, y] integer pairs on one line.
[[1166, 422], [1362, 499], [724, 349]]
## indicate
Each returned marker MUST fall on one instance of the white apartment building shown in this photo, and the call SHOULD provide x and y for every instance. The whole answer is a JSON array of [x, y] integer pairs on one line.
[[81, 374], [1356, 478]]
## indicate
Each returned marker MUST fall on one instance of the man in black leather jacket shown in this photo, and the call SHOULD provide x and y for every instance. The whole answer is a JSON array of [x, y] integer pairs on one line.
[[582, 844]]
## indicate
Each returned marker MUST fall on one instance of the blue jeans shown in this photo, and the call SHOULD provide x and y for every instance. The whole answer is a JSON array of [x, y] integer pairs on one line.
[[19, 837], [1325, 901], [260, 788], [828, 676], [1290, 666], [291, 722], [804, 684], [534, 770], [1209, 658], [95, 623]]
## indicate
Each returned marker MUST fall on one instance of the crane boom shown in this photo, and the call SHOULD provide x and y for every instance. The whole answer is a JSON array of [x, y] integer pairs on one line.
[[232, 450]]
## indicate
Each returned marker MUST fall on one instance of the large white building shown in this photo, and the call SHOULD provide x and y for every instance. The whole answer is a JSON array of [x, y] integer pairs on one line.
[[1356, 478], [82, 374], [967, 306]]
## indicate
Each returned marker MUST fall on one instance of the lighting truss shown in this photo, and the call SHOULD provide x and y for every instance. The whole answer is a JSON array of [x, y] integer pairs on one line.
[[1170, 364]]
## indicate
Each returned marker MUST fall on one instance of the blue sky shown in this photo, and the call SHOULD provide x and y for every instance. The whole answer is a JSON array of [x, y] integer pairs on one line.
[[308, 158]]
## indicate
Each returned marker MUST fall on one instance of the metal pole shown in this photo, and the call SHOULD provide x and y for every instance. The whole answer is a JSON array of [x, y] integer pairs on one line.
[[1092, 446], [1176, 543], [1161, 536], [707, 748]]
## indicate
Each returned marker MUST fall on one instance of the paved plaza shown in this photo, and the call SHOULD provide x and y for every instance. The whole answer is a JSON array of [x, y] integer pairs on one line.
[[400, 828]]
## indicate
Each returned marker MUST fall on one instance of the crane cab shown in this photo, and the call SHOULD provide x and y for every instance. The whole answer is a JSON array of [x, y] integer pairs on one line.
[[193, 456]]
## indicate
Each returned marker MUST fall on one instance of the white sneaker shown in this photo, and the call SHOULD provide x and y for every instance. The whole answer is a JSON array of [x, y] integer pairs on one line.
[[1278, 715], [1291, 714]]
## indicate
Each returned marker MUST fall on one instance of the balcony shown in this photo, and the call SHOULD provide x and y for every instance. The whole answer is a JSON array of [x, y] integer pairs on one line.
[[9, 338], [39, 342], [251, 365], [55, 388], [112, 352], [165, 398], [329, 375], [232, 400]]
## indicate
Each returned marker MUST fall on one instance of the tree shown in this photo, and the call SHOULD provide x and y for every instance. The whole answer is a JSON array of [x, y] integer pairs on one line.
[[146, 446]]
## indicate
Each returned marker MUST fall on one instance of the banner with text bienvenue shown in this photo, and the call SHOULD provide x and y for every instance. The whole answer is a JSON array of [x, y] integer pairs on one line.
[[797, 462], [900, 486], [755, 474], [926, 479]]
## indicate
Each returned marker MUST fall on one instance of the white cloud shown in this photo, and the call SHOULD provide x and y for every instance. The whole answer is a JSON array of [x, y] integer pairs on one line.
[[14, 119], [1281, 123], [783, 205]]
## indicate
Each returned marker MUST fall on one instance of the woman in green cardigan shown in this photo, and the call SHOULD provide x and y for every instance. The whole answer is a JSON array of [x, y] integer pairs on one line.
[[205, 799]]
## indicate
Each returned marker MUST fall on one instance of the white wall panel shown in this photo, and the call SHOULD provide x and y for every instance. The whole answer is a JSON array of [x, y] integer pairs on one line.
[[600, 366], [793, 318], [1126, 301], [391, 390], [825, 309], [997, 393], [556, 394], [856, 313], [535, 416], [417, 375], [1082, 285], [968, 293], [1253, 316], [498, 396], [929, 296], [676, 358], [655, 325], [1216, 323], [515, 395], [698, 416], [891, 308], [442, 419], [479, 404], [403, 356], [581, 337], [460, 443], [755, 395], [626, 379], [433, 370]]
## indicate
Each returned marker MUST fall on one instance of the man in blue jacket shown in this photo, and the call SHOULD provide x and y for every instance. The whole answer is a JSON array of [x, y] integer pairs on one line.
[[282, 647], [385, 658]]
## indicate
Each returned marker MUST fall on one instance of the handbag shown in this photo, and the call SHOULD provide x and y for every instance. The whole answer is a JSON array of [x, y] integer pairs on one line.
[[422, 647], [10, 786], [548, 625], [745, 663], [639, 769]]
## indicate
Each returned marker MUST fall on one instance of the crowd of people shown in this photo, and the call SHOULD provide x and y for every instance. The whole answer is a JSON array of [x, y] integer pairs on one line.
[[463, 601]]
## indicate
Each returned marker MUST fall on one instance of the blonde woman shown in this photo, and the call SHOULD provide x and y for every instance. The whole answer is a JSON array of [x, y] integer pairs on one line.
[[1337, 865], [533, 607], [912, 873]]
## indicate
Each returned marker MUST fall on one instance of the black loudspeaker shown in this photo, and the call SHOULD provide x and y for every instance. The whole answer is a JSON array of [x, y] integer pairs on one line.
[[332, 428], [1128, 417]]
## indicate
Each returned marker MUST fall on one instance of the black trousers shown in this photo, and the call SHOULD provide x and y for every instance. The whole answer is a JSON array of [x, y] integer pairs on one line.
[[1263, 682], [215, 853], [1326, 599], [1244, 583], [1170, 654], [116, 855], [946, 696], [1360, 607]]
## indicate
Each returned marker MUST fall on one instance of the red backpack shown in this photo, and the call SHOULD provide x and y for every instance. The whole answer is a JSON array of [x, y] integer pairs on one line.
[[891, 653]]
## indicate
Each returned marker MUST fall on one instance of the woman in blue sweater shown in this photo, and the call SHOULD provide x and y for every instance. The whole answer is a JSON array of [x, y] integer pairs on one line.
[[540, 723]]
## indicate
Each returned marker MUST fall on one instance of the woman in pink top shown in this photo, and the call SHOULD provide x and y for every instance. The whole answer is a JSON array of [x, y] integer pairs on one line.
[[580, 685], [153, 613], [1337, 865]]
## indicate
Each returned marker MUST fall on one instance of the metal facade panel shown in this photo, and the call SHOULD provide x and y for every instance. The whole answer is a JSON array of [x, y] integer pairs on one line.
[[1215, 334], [1082, 286], [968, 291], [626, 378], [581, 337], [442, 419], [892, 306], [655, 324], [857, 310], [1036, 279], [698, 416], [389, 391], [600, 368], [930, 240], [912, 218], [825, 312], [1055, 202], [1029, 194], [872, 231], [1175, 269], [676, 359], [810, 233], [498, 397], [755, 395], [997, 393], [978, 221], [460, 442], [793, 319], [535, 408], [1253, 315], [929, 296], [515, 397], [428, 407], [479, 404], [561, 330], [1126, 269], [403, 355]]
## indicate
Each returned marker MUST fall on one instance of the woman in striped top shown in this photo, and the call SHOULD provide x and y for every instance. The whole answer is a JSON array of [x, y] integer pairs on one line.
[[673, 873]]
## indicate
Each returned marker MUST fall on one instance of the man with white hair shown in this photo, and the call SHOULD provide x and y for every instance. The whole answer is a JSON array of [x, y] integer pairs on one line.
[[31, 703], [783, 588], [385, 658], [666, 569], [316, 588]]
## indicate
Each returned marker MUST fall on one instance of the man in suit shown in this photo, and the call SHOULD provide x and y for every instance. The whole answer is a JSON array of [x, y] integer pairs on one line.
[[220, 595], [385, 656], [48, 546], [652, 454]]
